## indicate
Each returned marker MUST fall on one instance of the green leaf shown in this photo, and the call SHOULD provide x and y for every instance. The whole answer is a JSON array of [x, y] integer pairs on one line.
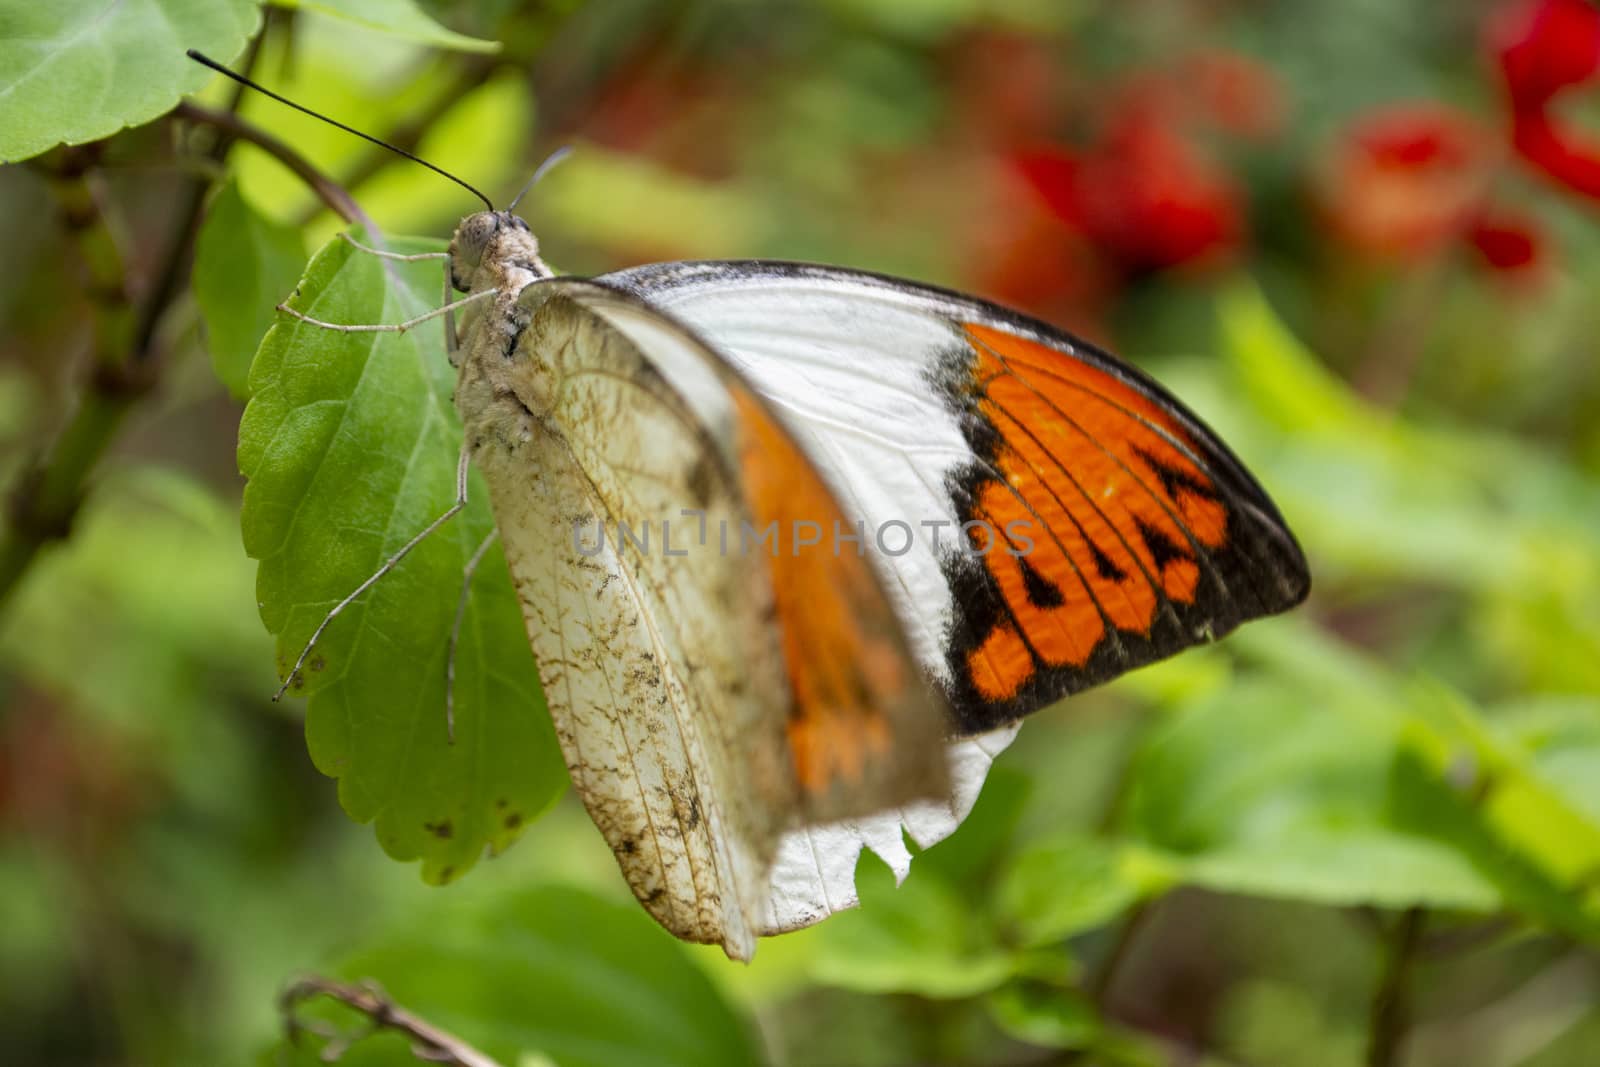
[[1065, 886], [548, 972], [1486, 791], [1256, 791], [350, 444], [244, 264], [1044, 1015], [1548, 845], [920, 937], [1562, 736], [78, 70], [401, 18]]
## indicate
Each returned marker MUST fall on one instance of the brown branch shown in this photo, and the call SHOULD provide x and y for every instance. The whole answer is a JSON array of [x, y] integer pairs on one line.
[[428, 1042], [331, 192], [1391, 1002]]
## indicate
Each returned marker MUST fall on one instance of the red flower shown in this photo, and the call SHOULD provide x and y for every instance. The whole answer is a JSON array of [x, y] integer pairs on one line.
[[1506, 242], [1544, 46], [1152, 200], [1406, 180], [1561, 155], [1053, 174], [1145, 195]]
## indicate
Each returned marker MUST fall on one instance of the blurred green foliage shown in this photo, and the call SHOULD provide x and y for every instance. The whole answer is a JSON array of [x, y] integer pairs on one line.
[[1388, 802]]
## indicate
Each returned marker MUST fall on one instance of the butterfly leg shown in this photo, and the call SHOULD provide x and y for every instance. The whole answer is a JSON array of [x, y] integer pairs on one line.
[[398, 327], [455, 633], [388, 565], [397, 256], [452, 340]]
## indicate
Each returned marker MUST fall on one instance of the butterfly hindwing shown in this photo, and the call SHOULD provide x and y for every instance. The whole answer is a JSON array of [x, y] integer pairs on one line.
[[710, 694]]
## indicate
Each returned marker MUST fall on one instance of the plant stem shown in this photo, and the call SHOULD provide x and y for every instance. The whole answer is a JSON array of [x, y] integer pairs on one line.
[[1391, 1002], [332, 193], [429, 1042], [47, 496], [1100, 983]]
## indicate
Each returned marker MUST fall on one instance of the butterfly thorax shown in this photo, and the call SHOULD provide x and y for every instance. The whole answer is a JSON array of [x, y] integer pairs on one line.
[[493, 250]]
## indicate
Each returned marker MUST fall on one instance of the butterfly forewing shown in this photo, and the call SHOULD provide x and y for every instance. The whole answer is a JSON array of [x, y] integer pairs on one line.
[[1091, 523]]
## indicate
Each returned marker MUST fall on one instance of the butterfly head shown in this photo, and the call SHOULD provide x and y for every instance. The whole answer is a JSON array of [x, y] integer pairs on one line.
[[494, 249]]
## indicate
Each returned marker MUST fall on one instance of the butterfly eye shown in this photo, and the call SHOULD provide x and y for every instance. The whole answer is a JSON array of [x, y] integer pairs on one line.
[[468, 245], [472, 237]]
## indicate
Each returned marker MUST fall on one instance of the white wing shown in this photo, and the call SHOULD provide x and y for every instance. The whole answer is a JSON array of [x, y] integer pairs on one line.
[[851, 378], [680, 680]]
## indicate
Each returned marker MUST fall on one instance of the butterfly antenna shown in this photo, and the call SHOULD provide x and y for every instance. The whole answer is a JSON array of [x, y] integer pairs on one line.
[[544, 168], [242, 80]]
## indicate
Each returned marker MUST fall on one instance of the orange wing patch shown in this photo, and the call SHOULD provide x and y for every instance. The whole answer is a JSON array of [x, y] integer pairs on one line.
[[1103, 482], [862, 723]]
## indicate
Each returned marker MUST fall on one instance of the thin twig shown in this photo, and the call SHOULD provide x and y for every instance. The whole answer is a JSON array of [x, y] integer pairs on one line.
[[1391, 1001], [332, 193], [1099, 984], [428, 1042]]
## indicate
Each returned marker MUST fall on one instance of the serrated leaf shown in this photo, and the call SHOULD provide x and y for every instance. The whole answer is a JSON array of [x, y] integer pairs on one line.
[[548, 972], [78, 70], [350, 443], [244, 265], [402, 18]]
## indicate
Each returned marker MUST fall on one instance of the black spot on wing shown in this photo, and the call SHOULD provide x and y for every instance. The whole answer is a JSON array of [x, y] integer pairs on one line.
[[1042, 592]]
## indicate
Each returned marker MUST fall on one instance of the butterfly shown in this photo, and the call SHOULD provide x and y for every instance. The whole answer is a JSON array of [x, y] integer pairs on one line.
[[798, 547]]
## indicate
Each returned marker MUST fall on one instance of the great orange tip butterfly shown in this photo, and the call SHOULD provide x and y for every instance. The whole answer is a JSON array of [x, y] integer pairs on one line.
[[907, 518]]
